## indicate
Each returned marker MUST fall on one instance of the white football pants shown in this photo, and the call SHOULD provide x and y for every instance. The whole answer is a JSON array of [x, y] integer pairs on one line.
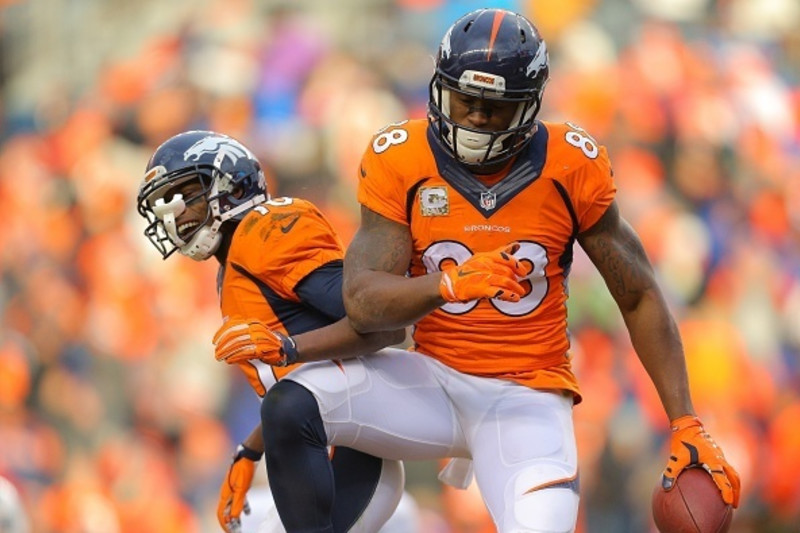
[[398, 404]]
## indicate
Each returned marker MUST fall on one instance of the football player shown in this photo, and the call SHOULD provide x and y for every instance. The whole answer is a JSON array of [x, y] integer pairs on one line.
[[204, 195], [468, 223]]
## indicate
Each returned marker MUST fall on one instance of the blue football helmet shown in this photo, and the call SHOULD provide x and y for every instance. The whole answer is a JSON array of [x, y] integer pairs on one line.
[[215, 168], [494, 54]]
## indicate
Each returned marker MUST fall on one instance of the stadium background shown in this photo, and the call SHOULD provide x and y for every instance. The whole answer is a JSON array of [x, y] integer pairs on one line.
[[114, 416]]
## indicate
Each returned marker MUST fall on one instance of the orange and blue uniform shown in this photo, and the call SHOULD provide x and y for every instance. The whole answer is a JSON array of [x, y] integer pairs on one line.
[[274, 250], [559, 186]]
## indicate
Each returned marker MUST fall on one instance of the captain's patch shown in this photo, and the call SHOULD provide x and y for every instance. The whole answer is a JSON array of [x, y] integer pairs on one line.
[[433, 201]]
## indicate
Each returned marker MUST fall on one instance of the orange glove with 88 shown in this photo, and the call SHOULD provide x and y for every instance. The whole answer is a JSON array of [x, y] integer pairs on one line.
[[691, 445], [485, 275]]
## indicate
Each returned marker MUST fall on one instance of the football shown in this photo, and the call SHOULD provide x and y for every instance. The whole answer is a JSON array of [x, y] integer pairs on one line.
[[694, 505]]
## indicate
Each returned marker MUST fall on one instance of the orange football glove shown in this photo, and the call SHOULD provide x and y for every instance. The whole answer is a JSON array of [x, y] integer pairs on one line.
[[240, 339], [233, 492], [691, 445], [485, 275]]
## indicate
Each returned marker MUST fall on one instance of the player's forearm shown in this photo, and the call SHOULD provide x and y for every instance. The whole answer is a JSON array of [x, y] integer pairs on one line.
[[340, 341], [657, 342], [255, 440], [378, 301]]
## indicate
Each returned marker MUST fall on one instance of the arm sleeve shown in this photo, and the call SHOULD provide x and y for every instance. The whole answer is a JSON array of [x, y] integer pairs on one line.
[[322, 290]]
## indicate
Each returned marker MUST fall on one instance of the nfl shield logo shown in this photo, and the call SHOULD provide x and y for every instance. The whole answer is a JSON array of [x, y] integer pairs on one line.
[[488, 200]]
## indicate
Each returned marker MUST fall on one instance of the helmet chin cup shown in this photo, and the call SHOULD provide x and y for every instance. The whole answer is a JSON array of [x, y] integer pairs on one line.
[[473, 147], [203, 245], [473, 140]]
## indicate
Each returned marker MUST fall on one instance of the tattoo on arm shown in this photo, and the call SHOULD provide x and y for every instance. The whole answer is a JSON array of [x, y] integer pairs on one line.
[[376, 260], [619, 256], [380, 244]]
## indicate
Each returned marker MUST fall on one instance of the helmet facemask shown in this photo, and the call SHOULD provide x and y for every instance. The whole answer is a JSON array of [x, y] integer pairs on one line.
[[210, 167], [203, 239], [475, 147], [494, 55], [165, 202]]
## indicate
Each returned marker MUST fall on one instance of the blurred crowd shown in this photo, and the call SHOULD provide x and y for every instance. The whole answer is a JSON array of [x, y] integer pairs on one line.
[[114, 416]]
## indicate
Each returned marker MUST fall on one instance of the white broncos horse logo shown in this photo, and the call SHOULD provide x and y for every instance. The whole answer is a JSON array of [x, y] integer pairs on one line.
[[224, 147], [538, 62], [445, 46]]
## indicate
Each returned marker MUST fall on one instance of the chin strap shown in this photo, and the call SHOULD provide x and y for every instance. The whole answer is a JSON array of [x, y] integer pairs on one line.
[[203, 244]]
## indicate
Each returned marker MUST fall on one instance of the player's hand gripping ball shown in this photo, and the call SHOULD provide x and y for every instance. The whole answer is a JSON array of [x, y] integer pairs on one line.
[[691, 445], [698, 489], [693, 505]]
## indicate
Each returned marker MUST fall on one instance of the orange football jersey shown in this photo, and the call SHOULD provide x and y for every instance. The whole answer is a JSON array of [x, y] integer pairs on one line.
[[274, 248], [560, 185]]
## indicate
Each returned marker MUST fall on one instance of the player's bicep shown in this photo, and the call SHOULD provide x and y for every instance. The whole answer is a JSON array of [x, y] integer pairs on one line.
[[380, 245], [617, 253]]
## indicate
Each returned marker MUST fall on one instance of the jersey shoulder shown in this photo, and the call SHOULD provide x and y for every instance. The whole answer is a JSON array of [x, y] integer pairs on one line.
[[581, 168], [401, 145], [570, 147], [397, 158], [290, 227], [277, 216]]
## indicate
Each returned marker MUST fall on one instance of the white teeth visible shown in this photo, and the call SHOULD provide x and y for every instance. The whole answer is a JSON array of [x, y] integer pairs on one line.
[[186, 226]]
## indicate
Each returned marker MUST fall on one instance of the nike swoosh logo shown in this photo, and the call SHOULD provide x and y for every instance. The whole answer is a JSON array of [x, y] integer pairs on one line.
[[363, 172], [462, 273], [288, 227]]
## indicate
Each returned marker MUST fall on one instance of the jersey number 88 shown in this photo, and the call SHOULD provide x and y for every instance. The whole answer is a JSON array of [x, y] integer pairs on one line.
[[444, 252]]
